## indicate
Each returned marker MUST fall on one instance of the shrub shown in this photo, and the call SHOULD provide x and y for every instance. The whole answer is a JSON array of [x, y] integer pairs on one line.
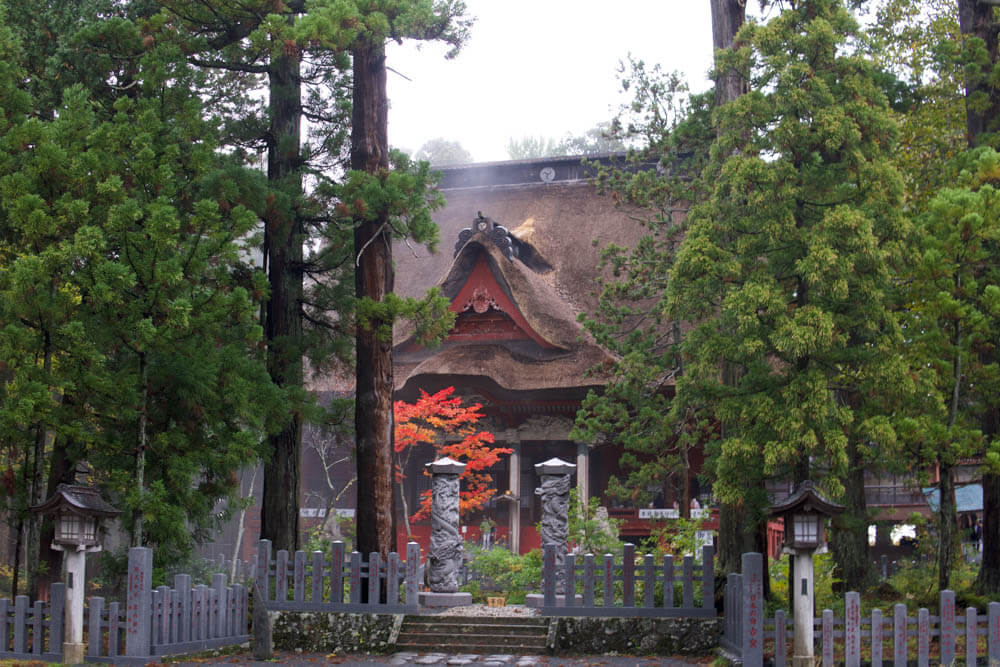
[[512, 575]]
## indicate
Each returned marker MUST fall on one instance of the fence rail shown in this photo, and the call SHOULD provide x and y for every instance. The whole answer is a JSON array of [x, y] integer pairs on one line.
[[33, 631], [647, 588], [888, 638], [337, 581]]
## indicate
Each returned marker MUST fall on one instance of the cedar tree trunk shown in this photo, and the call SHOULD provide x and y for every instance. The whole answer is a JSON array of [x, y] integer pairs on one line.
[[283, 239], [976, 20], [849, 541], [373, 279]]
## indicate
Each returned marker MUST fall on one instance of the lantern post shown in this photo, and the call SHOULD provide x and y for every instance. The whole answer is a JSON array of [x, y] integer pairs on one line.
[[804, 513], [78, 511]]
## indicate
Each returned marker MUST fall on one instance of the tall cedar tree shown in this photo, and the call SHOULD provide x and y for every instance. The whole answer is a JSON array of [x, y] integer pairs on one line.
[[123, 213], [305, 55], [785, 272], [376, 220], [675, 132], [450, 428], [977, 21], [955, 301]]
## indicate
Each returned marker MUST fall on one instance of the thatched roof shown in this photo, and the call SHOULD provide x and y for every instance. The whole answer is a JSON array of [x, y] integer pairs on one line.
[[558, 227]]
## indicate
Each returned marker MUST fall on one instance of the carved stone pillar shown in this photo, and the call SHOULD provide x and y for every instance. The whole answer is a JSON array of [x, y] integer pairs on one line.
[[445, 556], [554, 490]]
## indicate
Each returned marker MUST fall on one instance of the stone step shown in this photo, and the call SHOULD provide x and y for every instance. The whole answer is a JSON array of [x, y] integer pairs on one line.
[[469, 638], [481, 649], [473, 634], [443, 621], [473, 628]]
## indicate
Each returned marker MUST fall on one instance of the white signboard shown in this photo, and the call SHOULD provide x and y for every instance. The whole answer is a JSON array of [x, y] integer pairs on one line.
[[671, 514]]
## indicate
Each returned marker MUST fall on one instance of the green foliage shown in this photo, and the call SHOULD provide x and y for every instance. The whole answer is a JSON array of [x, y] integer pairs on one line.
[[591, 531], [677, 537], [511, 574], [671, 129], [125, 299], [824, 581], [786, 269]]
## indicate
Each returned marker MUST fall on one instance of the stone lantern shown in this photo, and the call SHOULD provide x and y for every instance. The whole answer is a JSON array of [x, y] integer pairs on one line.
[[78, 511], [805, 513]]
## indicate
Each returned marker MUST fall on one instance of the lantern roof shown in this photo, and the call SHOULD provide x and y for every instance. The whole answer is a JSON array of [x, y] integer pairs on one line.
[[85, 500], [807, 498]]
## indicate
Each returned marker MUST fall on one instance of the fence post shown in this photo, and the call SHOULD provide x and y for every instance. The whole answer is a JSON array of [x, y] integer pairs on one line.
[[337, 572], [264, 570], [95, 609], [628, 575], [688, 582], [649, 580], [374, 562], [852, 630], [707, 577], [299, 577], [668, 581], [138, 612], [221, 593], [753, 609], [589, 571], [946, 611], [734, 609], [182, 583], [392, 579], [316, 578], [876, 638], [549, 575], [971, 636], [993, 638], [899, 635], [827, 638], [355, 577], [38, 627], [281, 576], [113, 634], [57, 612], [569, 577], [20, 623], [412, 566], [608, 576], [923, 637], [779, 638]]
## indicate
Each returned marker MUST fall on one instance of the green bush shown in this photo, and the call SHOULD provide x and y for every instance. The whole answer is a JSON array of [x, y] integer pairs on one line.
[[825, 576], [512, 576]]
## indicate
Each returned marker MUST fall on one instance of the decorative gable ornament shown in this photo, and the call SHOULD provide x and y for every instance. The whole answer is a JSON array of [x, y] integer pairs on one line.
[[497, 234]]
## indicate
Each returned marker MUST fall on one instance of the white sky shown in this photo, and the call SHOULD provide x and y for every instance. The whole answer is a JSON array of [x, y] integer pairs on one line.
[[539, 68]]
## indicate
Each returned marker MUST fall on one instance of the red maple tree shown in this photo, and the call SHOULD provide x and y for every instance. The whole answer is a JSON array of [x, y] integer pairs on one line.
[[441, 420]]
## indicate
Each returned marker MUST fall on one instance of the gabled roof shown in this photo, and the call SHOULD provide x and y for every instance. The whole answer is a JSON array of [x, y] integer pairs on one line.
[[541, 345], [80, 499], [807, 498]]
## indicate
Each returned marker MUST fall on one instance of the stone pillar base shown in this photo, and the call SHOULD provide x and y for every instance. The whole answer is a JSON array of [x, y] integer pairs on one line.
[[444, 599], [804, 661], [73, 653], [537, 600]]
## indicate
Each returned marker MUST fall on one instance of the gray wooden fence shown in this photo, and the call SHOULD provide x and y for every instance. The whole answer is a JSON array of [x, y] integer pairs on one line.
[[888, 639], [165, 621], [33, 631], [336, 580], [604, 587]]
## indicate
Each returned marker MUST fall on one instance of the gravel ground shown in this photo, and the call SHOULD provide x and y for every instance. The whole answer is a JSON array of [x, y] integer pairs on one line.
[[400, 659], [481, 610]]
